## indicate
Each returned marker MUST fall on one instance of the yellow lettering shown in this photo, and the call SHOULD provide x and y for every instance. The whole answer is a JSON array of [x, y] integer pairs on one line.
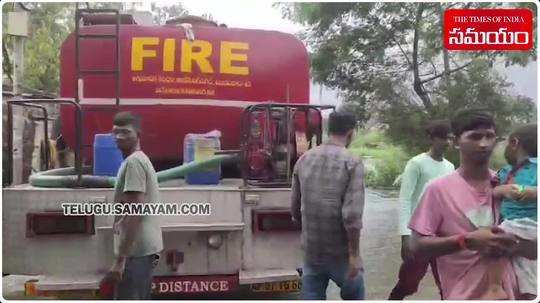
[[227, 57], [169, 45], [200, 57], [138, 53]]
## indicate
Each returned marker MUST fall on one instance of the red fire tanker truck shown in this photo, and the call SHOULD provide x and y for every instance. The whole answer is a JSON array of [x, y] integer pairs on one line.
[[182, 77]]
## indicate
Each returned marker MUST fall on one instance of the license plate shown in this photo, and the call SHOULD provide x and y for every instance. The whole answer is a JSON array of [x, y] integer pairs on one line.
[[283, 286], [194, 284]]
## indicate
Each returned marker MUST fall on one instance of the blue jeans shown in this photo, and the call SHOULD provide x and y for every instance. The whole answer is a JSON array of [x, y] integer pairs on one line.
[[136, 283], [315, 279]]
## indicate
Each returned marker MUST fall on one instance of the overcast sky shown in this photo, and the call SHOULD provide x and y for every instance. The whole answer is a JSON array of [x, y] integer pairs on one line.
[[256, 14], [259, 14]]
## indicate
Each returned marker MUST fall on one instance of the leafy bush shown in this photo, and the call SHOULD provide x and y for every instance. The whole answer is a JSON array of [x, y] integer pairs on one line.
[[497, 160], [385, 173], [383, 161]]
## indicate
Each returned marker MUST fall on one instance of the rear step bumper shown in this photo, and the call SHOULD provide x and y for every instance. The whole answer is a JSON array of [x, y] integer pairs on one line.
[[267, 275], [19, 286]]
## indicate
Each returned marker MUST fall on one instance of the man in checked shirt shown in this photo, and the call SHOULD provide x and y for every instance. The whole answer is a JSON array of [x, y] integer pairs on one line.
[[328, 200]]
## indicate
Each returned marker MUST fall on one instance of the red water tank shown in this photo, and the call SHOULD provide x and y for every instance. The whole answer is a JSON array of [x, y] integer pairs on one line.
[[180, 82]]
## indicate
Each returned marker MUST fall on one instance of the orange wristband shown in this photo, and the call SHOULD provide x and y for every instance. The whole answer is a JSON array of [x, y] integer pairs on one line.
[[461, 241]]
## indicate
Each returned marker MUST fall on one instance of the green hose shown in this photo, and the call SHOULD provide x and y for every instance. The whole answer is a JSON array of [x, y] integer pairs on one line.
[[67, 177], [182, 170]]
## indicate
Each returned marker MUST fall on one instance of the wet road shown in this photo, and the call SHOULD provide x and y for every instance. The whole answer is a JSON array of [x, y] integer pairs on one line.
[[380, 248]]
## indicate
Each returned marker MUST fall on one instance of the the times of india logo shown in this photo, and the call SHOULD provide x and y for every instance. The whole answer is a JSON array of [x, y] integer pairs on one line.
[[488, 29]]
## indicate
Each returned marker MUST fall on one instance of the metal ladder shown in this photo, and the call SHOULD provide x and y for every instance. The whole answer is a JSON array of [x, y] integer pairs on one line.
[[79, 14]]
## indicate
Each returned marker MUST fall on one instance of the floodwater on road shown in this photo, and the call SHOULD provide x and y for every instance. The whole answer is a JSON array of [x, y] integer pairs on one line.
[[380, 247]]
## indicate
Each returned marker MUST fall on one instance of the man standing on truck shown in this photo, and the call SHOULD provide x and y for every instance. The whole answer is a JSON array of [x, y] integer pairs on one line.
[[137, 239], [418, 172], [328, 200]]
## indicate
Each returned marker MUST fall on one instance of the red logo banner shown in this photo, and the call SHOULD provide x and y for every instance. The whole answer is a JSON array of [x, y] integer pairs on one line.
[[488, 29]]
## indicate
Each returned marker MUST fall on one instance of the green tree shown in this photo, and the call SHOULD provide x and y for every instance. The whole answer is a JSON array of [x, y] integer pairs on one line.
[[50, 24], [164, 13], [388, 60]]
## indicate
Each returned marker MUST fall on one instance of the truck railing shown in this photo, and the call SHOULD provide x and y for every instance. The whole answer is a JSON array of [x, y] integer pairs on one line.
[[245, 135], [35, 103]]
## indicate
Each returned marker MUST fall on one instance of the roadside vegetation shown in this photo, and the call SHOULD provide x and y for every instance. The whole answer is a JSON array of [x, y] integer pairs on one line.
[[389, 65], [384, 161]]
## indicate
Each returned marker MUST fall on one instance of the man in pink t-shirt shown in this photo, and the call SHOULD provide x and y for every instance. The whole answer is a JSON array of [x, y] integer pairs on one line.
[[454, 217]]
